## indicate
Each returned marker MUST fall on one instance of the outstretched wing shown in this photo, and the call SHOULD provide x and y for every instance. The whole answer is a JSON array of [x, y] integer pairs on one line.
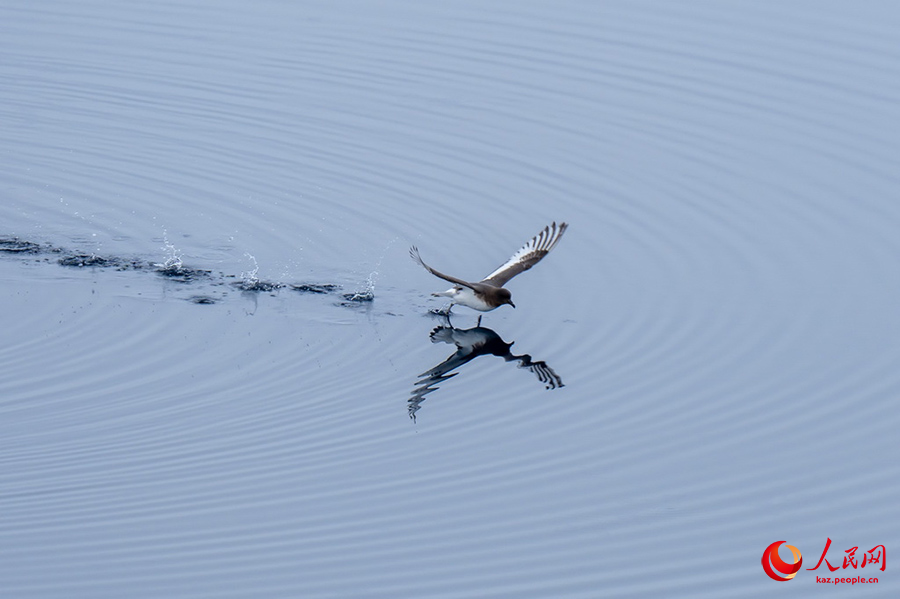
[[529, 255], [546, 375], [414, 254]]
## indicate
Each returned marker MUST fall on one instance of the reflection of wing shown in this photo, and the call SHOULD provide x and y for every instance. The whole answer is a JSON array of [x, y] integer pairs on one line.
[[527, 256], [414, 253], [540, 369], [471, 343], [452, 363], [545, 374], [423, 388]]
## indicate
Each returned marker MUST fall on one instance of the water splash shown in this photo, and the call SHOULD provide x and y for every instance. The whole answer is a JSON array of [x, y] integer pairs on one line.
[[173, 267], [250, 279], [173, 260], [367, 294]]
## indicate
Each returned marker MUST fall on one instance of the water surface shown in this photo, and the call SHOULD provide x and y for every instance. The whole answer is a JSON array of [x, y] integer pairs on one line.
[[721, 315]]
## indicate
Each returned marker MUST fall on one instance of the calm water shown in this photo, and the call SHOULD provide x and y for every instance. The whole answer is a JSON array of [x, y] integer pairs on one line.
[[719, 328]]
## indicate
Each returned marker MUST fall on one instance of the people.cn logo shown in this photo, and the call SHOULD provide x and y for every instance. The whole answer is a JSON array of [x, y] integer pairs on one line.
[[777, 568]]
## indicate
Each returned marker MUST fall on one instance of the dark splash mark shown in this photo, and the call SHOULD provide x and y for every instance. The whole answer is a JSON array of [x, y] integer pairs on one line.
[[258, 286], [85, 260], [172, 270], [14, 245], [315, 288], [360, 296], [183, 274], [82, 260]]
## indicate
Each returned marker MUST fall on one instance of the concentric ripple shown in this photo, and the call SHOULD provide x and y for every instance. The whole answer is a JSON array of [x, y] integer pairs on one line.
[[722, 309]]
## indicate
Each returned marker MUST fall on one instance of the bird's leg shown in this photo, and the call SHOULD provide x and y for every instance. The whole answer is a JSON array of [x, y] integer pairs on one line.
[[478, 324], [444, 314]]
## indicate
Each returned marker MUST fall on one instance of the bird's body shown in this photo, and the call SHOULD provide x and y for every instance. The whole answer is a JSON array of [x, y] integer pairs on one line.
[[489, 293], [466, 296]]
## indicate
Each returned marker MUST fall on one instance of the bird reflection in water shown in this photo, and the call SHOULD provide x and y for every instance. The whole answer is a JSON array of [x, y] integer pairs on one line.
[[471, 343]]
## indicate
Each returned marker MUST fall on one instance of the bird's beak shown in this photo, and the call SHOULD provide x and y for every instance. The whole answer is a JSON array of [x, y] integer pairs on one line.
[[512, 304]]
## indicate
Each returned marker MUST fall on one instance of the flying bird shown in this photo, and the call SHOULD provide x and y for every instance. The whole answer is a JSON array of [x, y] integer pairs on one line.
[[489, 293]]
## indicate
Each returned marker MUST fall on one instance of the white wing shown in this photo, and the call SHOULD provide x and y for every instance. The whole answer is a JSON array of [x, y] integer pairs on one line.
[[528, 255]]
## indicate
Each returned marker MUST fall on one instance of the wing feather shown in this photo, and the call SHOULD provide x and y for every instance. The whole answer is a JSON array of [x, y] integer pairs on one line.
[[414, 254], [528, 255]]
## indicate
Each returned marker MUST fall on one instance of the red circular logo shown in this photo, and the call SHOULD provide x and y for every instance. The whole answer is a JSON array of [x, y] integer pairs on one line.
[[778, 569]]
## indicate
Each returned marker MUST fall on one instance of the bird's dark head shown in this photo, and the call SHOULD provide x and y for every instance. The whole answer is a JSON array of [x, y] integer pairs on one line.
[[506, 297]]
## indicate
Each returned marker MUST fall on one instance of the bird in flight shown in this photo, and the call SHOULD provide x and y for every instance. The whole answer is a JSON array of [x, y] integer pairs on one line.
[[489, 293]]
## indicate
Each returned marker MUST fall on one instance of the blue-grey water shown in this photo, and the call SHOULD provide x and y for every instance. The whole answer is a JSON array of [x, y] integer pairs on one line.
[[721, 320]]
